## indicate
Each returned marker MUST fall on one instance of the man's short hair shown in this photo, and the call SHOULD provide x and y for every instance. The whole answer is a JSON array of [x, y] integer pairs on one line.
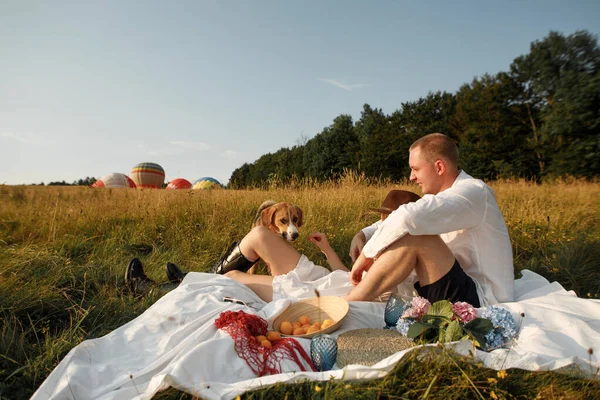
[[436, 146]]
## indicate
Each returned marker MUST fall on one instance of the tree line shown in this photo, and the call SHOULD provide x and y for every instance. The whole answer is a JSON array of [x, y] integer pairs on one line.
[[87, 181], [539, 120]]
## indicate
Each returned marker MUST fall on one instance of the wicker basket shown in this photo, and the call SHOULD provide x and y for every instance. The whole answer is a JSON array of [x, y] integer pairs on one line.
[[317, 309]]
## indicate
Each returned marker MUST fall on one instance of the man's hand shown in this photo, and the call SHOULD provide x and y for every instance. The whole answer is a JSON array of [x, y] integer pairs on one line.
[[361, 265], [357, 244]]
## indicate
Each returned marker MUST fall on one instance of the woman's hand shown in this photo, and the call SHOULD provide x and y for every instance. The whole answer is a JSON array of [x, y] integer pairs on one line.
[[320, 240]]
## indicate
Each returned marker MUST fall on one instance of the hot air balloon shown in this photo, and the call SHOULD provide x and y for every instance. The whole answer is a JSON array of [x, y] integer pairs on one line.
[[207, 183], [148, 175], [114, 180], [179, 183]]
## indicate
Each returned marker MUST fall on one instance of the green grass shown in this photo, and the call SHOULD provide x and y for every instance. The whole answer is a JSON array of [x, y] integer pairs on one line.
[[63, 251]]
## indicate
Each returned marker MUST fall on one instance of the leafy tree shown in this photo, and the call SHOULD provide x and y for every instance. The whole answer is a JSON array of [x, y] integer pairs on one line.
[[430, 114], [334, 149], [542, 118], [377, 139], [88, 181], [240, 177], [59, 183], [493, 139], [560, 80]]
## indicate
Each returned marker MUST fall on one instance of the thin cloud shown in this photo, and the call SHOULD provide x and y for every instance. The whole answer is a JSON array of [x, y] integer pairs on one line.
[[18, 138], [230, 153], [201, 146], [342, 85]]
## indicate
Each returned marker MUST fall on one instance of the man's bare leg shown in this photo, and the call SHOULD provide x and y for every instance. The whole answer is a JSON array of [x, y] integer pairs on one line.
[[429, 256], [261, 243]]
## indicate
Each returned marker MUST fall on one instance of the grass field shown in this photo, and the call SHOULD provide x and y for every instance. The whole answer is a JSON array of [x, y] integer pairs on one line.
[[63, 251]]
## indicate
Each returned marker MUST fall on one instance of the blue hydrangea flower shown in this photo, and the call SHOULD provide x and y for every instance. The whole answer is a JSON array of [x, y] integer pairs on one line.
[[403, 325], [505, 328]]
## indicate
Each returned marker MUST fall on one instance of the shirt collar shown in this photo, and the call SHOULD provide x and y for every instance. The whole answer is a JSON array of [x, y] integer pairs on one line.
[[462, 175]]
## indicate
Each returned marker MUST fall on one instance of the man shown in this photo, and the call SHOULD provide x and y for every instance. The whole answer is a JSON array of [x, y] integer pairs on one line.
[[454, 238]]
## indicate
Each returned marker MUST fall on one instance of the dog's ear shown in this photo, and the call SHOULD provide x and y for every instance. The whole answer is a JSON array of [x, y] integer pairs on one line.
[[299, 211], [266, 217]]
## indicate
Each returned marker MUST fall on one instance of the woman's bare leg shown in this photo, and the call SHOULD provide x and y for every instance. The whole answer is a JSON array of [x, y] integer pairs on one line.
[[262, 285], [279, 255]]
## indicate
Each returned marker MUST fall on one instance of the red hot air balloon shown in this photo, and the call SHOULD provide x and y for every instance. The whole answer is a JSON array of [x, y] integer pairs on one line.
[[148, 175], [114, 180], [179, 183]]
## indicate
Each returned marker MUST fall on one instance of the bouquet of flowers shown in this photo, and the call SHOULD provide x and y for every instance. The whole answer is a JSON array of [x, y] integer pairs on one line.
[[444, 321]]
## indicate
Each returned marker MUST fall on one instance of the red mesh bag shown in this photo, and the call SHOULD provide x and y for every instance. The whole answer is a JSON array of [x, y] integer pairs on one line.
[[243, 328]]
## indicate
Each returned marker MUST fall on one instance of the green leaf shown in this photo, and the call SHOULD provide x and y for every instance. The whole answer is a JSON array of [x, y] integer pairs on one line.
[[453, 332], [479, 325], [478, 338], [438, 321], [441, 308], [419, 328]]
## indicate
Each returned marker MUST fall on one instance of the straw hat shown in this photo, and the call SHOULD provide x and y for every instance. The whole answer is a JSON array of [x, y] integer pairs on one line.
[[368, 346], [394, 199]]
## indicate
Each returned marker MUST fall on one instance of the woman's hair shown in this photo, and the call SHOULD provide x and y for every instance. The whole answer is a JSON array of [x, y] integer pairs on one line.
[[437, 146]]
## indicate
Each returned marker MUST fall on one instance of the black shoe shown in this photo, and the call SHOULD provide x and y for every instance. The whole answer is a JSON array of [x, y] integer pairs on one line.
[[135, 278], [232, 260], [174, 274]]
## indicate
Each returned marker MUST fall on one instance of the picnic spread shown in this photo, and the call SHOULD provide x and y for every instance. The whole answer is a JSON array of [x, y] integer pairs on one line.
[[176, 342]]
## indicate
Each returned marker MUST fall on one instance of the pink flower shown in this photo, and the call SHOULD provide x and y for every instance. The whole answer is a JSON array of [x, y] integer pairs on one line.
[[464, 311], [418, 308]]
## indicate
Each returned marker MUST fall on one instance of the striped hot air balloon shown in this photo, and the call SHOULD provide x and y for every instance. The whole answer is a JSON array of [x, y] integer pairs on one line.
[[114, 180], [148, 175], [179, 183], [207, 183]]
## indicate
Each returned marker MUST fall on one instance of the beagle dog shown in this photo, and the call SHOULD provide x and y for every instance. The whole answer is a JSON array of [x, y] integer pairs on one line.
[[282, 218]]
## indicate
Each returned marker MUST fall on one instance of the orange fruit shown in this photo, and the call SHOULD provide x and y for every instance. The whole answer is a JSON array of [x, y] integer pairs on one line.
[[317, 325], [306, 326], [260, 338], [296, 325], [273, 336], [326, 324], [304, 320], [299, 331], [265, 343], [286, 328], [312, 329]]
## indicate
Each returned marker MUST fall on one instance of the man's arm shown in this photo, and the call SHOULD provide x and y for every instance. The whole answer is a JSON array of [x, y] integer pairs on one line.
[[360, 266], [454, 209]]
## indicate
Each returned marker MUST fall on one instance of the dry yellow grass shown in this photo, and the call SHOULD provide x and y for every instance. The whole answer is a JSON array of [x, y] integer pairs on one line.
[[63, 250]]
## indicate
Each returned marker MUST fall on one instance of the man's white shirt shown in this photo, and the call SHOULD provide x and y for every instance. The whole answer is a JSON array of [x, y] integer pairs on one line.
[[469, 221]]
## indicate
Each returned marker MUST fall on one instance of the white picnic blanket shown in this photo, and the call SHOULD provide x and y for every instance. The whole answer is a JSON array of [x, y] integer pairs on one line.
[[175, 343]]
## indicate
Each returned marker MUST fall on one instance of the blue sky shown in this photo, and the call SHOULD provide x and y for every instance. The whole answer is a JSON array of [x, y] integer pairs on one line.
[[200, 87]]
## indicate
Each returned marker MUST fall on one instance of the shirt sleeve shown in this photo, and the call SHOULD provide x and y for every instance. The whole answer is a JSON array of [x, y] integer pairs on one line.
[[459, 207], [370, 230]]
